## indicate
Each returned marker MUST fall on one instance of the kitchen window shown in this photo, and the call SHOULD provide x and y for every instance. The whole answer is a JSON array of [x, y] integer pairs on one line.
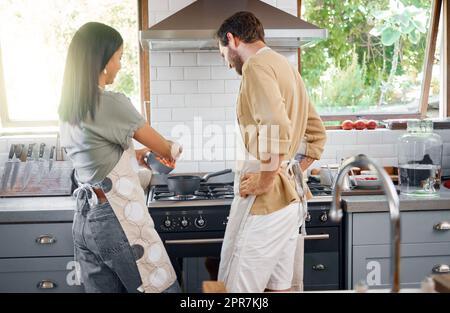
[[34, 38], [372, 63]]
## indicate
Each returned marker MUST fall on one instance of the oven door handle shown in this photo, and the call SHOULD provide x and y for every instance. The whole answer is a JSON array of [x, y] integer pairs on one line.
[[317, 237], [193, 241]]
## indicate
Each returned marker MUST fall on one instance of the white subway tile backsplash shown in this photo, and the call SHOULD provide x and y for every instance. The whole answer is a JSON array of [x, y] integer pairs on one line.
[[342, 137], [218, 114], [224, 100], [196, 73], [159, 87], [186, 167], [159, 59], [368, 137], [230, 114], [183, 114], [197, 100], [211, 86], [184, 87], [169, 73], [223, 72], [390, 136], [183, 59], [161, 115], [209, 167], [348, 151], [389, 161], [382, 150], [232, 86], [209, 58], [176, 5], [169, 101]]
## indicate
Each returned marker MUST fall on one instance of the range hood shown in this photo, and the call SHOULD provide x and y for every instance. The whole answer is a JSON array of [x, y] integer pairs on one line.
[[193, 27]]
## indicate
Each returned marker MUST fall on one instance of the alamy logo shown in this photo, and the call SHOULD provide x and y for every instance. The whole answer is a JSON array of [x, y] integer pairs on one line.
[[73, 278], [373, 277]]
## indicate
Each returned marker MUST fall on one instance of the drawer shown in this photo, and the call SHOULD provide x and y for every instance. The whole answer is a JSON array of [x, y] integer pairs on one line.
[[416, 227], [36, 240], [321, 269], [37, 275], [318, 244], [372, 263]]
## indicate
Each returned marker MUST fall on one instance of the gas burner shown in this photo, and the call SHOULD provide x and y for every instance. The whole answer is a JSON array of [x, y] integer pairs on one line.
[[181, 198], [319, 190], [205, 192]]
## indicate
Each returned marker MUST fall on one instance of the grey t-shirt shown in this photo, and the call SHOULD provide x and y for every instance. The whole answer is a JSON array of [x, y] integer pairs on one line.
[[96, 146]]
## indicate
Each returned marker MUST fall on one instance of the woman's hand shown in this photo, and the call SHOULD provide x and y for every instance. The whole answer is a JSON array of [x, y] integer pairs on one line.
[[251, 184], [140, 156]]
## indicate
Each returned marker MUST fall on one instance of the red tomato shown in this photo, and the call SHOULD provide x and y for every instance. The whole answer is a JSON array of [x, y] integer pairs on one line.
[[360, 124], [372, 124], [347, 125]]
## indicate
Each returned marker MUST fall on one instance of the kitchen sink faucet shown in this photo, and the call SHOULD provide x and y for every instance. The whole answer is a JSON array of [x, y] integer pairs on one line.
[[393, 203]]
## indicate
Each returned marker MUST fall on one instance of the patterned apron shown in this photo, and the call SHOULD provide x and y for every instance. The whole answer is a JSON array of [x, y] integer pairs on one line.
[[240, 211], [126, 197]]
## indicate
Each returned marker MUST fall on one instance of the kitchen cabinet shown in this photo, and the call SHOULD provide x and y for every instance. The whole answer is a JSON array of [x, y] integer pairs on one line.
[[37, 257], [425, 247]]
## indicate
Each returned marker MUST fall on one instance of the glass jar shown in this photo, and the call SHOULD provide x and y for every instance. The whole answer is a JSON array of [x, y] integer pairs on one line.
[[420, 160]]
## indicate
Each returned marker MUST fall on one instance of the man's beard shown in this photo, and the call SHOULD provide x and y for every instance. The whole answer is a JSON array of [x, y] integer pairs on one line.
[[236, 61]]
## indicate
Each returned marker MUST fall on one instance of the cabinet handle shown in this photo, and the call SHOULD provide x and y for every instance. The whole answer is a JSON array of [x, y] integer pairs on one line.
[[442, 226], [46, 240], [317, 237], [319, 267], [46, 284], [441, 268]]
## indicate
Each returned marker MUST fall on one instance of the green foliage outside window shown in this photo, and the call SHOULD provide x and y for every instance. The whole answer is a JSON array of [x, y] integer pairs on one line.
[[373, 58]]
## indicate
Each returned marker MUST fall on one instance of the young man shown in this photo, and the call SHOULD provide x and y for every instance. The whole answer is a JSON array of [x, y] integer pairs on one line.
[[277, 121]]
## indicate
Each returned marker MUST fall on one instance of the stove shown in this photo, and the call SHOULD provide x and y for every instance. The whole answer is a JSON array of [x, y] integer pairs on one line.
[[192, 228]]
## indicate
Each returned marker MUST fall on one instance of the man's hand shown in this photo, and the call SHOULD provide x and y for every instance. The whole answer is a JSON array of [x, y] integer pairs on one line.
[[252, 184], [140, 156]]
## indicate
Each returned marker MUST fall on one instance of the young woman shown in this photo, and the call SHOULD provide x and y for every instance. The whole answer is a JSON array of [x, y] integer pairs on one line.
[[116, 245]]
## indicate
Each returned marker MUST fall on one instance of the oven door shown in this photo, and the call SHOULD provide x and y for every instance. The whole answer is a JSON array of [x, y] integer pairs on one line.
[[195, 257]]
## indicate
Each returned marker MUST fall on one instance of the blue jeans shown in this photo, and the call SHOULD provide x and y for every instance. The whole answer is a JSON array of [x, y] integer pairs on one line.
[[106, 259]]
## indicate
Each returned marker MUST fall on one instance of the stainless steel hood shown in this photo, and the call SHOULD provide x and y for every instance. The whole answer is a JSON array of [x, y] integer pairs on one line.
[[193, 27]]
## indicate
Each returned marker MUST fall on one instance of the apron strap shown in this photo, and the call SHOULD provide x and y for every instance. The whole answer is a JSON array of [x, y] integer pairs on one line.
[[87, 189]]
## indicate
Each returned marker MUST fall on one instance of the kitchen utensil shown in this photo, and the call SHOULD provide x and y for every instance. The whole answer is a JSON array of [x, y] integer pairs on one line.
[[28, 166], [51, 158], [18, 152], [8, 167], [188, 184], [328, 173], [156, 165], [41, 162]]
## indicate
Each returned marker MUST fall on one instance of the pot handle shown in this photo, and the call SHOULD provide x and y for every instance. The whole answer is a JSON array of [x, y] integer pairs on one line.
[[208, 176]]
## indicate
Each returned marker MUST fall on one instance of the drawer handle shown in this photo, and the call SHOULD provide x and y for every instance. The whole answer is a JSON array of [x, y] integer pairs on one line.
[[442, 226], [46, 240], [46, 284], [441, 268], [317, 237], [319, 267]]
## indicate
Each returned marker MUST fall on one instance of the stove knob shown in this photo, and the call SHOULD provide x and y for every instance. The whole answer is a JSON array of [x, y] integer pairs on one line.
[[167, 223], [324, 217], [184, 222], [200, 222], [308, 217]]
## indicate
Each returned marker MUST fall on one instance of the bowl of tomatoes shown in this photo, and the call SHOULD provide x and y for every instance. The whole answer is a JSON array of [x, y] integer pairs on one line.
[[159, 164]]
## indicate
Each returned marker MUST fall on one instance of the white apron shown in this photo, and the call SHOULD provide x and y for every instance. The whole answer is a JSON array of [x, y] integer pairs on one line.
[[240, 211], [126, 197]]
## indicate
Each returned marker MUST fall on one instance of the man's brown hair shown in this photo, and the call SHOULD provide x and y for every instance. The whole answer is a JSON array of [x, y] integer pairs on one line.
[[244, 25]]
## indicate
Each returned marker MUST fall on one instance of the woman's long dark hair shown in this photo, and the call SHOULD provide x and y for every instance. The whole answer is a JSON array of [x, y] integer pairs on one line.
[[91, 48]]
